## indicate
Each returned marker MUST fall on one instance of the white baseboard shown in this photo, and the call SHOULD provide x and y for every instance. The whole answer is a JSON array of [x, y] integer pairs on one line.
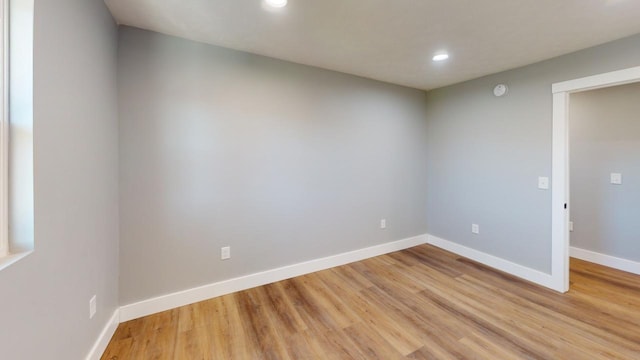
[[509, 267], [105, 336], [190, 296], [606, 260]]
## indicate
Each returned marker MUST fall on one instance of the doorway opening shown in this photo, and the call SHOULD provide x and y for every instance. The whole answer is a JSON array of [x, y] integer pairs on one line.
[[560, 251]]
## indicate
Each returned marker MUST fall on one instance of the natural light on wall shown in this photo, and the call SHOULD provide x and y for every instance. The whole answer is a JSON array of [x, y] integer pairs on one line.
[[16, 125], [4, 134]]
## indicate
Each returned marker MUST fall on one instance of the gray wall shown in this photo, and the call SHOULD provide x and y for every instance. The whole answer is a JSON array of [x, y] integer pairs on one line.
[[44, 300], [486, 153], [282, 162], [605, 138]]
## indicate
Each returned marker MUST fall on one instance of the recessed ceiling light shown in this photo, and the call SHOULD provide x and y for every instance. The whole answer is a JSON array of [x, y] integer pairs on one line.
[[276, 3], [440, 57]]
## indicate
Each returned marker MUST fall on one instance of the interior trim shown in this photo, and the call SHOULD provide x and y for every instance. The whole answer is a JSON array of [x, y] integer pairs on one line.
[[103, 340], [606, 260], [495, 262]]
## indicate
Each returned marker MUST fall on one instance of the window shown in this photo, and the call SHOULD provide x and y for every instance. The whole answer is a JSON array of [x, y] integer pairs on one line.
[[4, 130]]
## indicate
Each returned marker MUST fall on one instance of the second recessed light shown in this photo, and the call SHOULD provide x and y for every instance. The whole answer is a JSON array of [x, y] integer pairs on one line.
[[440, 57], [276, 3]]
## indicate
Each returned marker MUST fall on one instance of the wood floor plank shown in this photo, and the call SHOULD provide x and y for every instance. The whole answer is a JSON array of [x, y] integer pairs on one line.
[[237, 336], [371, 343], [392, 330], [552, 322], [420, 303], [263, 335]]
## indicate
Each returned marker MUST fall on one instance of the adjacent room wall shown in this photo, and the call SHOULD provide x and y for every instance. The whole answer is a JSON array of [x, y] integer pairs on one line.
[[604, 128], [485, 154], [45, 296], [282, 162]]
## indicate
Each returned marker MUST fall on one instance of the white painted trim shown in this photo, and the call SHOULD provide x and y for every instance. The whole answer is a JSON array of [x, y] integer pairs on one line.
[[606, 260], [495, 262], [560, 193], [190, 296], [613, 78], [101, 343], [560, 163]]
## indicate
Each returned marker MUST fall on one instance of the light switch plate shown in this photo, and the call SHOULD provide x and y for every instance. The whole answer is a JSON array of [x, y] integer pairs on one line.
[[543, 183], [616, 178]]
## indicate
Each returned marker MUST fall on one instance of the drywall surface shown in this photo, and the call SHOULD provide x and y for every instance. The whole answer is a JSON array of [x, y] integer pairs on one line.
[[485, 154], [604, 127], [282, 162], [45, 297]]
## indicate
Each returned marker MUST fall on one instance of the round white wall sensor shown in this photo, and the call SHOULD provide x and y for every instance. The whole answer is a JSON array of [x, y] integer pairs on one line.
[[500, 90]]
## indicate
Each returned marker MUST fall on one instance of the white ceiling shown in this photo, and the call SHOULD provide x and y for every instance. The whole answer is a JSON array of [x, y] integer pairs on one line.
[[393, 40]]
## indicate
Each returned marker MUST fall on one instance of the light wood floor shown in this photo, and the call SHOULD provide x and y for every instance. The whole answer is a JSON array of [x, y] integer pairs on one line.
[[421, 303]]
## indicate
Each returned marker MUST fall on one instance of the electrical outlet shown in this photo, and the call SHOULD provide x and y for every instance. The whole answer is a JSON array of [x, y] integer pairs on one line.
[[383, 223], [475, 228], [570, 225], [225, 253], [92, 306]]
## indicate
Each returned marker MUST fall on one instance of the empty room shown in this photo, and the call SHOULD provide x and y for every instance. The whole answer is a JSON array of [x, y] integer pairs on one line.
[[336, 179]]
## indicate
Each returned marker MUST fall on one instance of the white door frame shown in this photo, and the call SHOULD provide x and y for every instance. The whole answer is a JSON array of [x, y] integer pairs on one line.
[[560, 164]]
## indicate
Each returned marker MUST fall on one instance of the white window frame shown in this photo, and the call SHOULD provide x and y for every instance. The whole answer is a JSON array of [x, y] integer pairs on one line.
[[4, 129]]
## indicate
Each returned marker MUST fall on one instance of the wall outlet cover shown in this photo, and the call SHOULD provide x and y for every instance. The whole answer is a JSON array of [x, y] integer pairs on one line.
[[225, 253], [475, 228]]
